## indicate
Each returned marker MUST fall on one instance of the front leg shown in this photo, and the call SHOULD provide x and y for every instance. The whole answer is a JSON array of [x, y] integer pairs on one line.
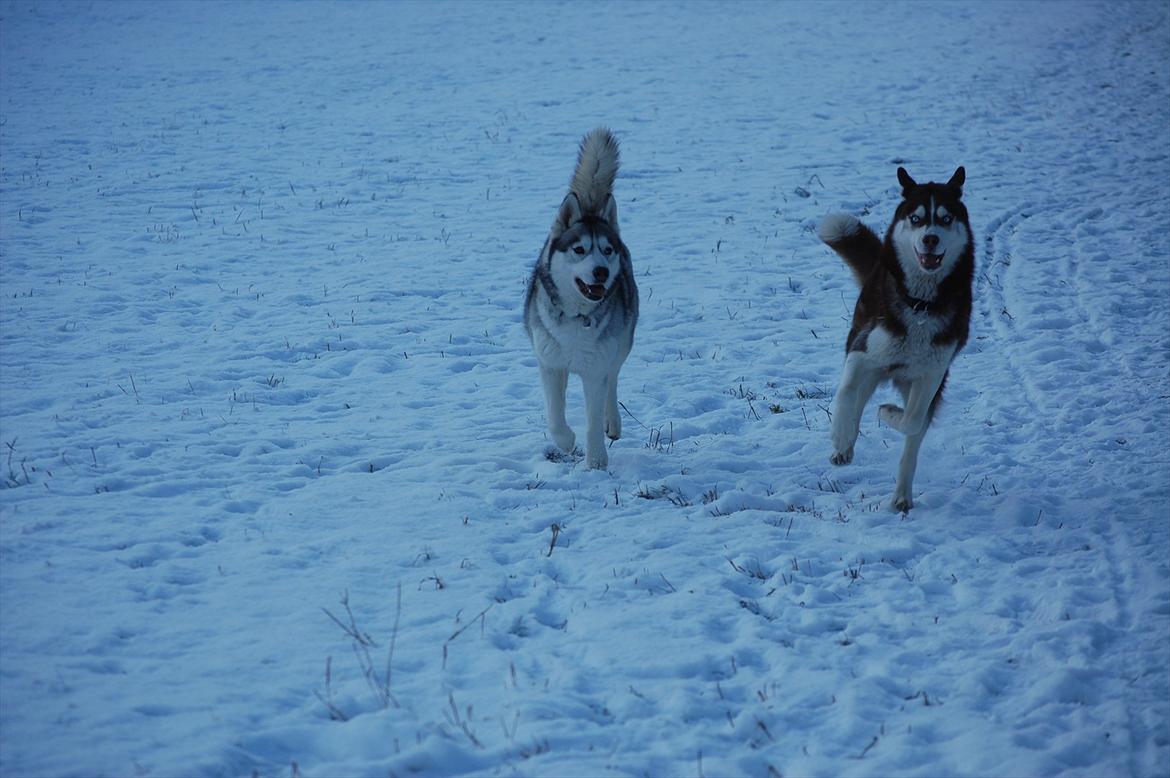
[[596, 389], [613, 420], [858, 383], [555, 381]]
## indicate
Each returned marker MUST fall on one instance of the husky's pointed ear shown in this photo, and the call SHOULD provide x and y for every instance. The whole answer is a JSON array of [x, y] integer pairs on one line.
[[609, 212], [957, 179], [906, 181], [568, 214]]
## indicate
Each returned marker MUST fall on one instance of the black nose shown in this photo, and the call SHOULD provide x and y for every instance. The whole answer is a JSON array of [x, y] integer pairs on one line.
[[930, 241], [602, 273]]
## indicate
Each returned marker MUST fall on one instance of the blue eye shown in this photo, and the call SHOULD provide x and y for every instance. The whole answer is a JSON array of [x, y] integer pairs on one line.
[[946, 220], [607, 251], [915, 219]]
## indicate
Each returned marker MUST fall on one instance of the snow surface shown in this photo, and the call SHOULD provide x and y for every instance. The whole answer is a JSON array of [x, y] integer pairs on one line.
[[262, 272]]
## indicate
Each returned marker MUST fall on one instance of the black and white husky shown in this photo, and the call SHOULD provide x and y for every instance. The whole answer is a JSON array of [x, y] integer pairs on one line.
[[582, 302], [911, 318]]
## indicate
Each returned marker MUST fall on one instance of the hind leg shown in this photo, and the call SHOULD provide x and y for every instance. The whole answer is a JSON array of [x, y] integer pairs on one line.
[[613, 420], [555, 382], [857, 385]]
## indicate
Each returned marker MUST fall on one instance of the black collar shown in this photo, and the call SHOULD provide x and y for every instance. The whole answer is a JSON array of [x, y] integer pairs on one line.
[[917, 304]]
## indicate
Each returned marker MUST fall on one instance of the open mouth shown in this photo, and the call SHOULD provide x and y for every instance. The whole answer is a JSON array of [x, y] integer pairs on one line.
[[592, 292], [930, 262]]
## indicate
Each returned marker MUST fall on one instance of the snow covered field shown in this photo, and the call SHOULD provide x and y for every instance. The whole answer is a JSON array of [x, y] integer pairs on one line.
[[261, 272]]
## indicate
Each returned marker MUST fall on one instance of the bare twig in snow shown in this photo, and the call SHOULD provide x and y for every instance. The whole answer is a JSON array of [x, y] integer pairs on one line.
[[556, 530], [478, 617]]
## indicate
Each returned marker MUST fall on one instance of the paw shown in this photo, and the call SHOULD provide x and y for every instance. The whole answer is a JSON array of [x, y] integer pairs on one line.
[[597, 460], [613, 428], [842, 440], [564, 438], [901, 503], [842, 457], [554, 454], [892, 415]]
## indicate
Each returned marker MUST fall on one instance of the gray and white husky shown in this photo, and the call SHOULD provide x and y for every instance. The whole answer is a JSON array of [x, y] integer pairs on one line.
[[912, 316], [582, 302]]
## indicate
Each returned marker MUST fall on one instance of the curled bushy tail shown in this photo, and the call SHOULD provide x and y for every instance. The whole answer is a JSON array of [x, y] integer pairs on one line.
[[597, 166], [855, 243]]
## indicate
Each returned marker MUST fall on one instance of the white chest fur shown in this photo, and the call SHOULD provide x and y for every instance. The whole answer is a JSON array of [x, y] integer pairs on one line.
[[913, 355], [574, 343]]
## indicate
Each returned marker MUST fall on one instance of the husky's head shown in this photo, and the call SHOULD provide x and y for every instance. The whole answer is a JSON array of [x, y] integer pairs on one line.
[[585, 253], [930, 229]]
